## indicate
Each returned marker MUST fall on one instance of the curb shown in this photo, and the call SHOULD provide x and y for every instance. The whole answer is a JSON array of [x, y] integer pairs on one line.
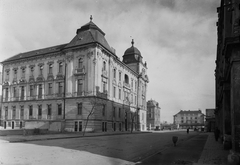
[[70, 137]]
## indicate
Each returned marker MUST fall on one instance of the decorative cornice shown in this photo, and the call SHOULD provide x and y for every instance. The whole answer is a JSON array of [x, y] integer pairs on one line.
[[41, 64], [60, 60], [50, 62], [23, 67], [31, 66]]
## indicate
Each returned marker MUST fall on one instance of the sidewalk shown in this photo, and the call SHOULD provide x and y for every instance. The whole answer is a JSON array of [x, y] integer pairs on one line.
[[213, 152], [22, 138]]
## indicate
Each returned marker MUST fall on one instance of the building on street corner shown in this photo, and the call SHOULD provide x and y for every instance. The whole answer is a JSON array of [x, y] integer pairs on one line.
[[189, 119], [75, 85], [227, 73], [153, 115]]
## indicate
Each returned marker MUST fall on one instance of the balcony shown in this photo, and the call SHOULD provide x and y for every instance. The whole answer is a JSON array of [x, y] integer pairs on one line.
[[126, 85], [79, 71], [39, 117], [59, 95], [49, 117], [79, 94]]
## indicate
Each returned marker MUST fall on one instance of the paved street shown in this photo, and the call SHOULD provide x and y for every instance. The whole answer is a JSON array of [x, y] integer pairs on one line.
[[143, 148]]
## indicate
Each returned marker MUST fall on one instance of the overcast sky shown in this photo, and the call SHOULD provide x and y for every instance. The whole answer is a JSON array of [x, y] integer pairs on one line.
[[177, 39]]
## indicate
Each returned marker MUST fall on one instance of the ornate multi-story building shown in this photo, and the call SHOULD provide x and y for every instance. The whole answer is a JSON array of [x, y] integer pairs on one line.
[[153, 115], [189, 119], [72, 86], [227, 73]]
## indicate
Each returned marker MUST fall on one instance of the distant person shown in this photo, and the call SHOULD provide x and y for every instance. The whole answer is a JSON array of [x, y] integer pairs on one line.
[[187, 130], [216, 133]]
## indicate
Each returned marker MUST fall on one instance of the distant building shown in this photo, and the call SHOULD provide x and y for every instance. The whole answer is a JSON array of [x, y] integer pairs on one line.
[[189, 119], [77, 84], [210, 120], [153, 115]]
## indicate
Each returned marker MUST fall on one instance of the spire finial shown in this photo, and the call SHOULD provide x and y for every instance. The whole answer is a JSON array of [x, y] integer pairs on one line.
[[91, 18], [132, 42]]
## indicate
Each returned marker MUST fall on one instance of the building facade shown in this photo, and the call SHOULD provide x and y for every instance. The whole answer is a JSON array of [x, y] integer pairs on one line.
[[73, 86], [189, 119], [153, 115], [210, 120], [227, 73]]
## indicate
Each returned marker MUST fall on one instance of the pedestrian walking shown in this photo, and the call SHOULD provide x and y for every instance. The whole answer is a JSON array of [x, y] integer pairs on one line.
[[216, 133], [187, 130]]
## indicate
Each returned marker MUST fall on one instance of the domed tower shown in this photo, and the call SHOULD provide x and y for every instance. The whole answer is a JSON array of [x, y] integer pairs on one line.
[[132, 57]]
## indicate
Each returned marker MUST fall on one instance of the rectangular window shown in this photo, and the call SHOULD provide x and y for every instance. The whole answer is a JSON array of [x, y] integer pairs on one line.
[[80, 63], [14, 91], [79, 106], [32, 71], [114, 73], [50, 68], [22, 92], [6, 112], [59, 109], [23, 72], [104, 86], [49, 109], [60, 87], [40, 70], [50, 88], [114, 111], [30, 110], [80, 87], [7, 75], [31, 90], [15, 74], [119, 112], [6, 94], [40, 92], [103, 110], [120, 75], [39, 110], [119, 94], [114, 92], [13, 112], [21, 111], [60, 67]]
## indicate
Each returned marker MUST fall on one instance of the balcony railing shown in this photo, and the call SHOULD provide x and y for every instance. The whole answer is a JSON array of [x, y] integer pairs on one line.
[[126, 85], [31, 117], [39, 116], [49, 117]]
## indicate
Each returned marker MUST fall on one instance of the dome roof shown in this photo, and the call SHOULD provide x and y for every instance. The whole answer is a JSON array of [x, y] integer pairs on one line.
[[132, 50]]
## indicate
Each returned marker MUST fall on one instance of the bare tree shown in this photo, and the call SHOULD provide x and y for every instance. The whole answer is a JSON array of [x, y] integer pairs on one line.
[[95, 102]]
